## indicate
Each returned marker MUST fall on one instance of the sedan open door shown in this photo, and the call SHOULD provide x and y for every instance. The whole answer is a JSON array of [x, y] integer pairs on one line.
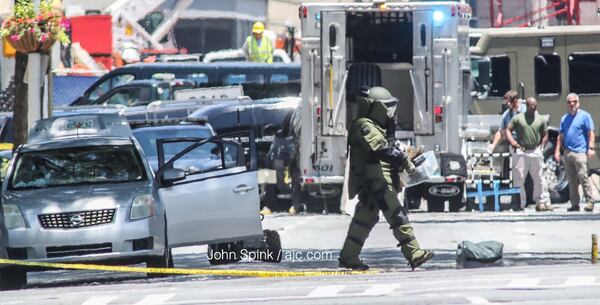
[[210, 189]]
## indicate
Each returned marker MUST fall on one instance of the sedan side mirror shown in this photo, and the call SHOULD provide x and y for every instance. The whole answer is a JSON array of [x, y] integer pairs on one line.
[[173, 175]]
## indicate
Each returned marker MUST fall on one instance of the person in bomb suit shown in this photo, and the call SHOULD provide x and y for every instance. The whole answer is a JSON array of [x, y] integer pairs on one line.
[[374, 160]]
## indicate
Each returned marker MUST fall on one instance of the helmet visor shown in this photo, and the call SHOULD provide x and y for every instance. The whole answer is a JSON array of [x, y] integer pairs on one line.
[[391, 105]]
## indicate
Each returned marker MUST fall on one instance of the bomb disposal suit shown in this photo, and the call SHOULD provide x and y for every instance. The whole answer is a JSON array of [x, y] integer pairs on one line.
[[373, 161]]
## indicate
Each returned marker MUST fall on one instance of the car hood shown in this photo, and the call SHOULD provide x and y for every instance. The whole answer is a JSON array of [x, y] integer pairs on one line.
[[75, 198]]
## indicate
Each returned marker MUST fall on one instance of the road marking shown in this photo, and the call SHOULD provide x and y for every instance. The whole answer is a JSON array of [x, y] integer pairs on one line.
[[520, 230], [155, 299], [99, 300], [579, 280], [325, 291], [477, 300], [524, 282], [381, 289], [523, 246]]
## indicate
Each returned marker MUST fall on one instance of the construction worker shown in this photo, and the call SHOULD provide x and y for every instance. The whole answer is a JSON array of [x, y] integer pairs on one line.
[[258, 47], [373, 159]]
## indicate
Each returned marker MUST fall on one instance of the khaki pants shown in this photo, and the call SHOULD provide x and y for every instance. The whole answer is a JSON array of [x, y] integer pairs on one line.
[[530, 161], [577, 173]]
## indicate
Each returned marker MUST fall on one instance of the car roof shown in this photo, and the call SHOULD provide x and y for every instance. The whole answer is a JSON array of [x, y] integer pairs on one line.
[[166, 67], [138, 82], [232, 54], [225, 117], [291, 102], [176, 126]]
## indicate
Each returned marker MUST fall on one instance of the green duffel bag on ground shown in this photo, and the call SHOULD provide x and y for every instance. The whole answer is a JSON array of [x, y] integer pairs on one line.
[[481, 254]]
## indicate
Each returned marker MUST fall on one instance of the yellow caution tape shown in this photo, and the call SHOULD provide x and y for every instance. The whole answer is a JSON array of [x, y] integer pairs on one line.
[[221, 272], [6, 146]]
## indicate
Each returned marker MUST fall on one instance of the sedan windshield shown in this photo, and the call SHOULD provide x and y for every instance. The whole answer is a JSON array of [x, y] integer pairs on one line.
[[147, 139], [78, 165]]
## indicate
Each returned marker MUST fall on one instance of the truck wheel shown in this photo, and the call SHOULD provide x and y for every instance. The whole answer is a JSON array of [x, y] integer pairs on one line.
[[471, 205], [223, 253], [434, 205], [272, 247], [455, 204], [412, 202], [272, 202], [324, 205], [12, 279]]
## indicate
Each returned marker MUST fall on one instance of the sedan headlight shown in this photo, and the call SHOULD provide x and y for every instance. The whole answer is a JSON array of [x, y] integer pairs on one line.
[[142, 207], [13, 218]]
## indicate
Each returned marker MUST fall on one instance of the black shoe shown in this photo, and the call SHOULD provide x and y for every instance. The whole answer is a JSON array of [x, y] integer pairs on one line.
[[517, 209], [574, 208], [360, 266], [422, 259]]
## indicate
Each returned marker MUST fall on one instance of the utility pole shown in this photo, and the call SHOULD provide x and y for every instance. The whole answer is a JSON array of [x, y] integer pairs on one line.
[[28, 84], [20, 108], [34, 81]]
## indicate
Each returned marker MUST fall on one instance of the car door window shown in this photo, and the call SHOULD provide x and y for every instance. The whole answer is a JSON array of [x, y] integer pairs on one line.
[[164, 93], [210, 156], [121, 79], [100, 90], [283, 85], [125, 97], [253, 83], [108, 84]]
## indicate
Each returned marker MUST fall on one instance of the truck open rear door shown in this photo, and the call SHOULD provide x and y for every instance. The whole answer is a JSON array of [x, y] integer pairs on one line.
[[333, 61], [421, 73]]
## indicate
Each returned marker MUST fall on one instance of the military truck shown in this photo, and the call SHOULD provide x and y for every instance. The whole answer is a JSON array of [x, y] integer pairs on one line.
[[417, 50], [546, 63]]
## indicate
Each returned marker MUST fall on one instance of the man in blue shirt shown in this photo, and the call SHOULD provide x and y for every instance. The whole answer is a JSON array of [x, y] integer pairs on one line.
[[514, 107], [578, 139]]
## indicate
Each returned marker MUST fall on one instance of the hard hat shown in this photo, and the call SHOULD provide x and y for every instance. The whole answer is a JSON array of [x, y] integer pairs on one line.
[[258, 27]]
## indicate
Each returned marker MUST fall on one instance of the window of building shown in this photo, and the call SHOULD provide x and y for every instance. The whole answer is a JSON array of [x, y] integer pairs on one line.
[[547, 74], [583, 70]]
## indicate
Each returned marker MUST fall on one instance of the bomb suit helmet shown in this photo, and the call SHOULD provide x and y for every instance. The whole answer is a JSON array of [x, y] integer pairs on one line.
[[377, 104]]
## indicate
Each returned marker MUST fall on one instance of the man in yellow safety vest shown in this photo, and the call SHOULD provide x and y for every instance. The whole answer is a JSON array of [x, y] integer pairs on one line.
[[258, 47]]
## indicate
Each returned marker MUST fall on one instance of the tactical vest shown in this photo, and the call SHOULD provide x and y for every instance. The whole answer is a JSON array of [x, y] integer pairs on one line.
[[262, 53]]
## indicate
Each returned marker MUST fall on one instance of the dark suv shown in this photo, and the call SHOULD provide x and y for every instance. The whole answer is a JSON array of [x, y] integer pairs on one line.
[[259, 80]]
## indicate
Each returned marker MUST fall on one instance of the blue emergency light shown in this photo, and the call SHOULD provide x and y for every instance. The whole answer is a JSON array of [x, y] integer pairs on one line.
[[438, 17]]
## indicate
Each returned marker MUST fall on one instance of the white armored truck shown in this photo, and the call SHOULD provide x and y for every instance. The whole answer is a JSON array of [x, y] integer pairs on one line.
[[419, 51]]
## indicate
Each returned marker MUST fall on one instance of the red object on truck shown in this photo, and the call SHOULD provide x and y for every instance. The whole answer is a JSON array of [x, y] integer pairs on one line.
[[93, 32]]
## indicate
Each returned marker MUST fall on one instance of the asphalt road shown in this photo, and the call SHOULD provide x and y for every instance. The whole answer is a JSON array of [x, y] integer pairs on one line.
[[566, 284], [546, 261]]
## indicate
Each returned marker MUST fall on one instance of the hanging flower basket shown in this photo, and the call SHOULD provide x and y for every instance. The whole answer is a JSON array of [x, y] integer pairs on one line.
[[26, 44], [29, 32]]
